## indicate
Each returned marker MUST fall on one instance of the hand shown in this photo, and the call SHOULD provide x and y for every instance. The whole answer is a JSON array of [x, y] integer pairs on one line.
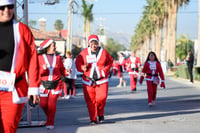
[[162, 85], [84, 68], [36, 99]]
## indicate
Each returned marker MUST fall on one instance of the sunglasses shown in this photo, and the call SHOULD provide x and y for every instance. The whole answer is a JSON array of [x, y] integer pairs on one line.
[[8, 6]]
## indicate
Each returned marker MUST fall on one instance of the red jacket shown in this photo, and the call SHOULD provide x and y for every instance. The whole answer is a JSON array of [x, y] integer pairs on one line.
[[102, 66], [58, 69], [24, 60], [153, 69], [133, 64]]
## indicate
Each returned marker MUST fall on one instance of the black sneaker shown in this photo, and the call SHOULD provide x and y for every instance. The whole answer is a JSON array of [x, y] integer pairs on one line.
[[101, 119]]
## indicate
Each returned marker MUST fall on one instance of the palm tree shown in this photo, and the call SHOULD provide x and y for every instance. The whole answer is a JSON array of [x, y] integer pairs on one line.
[[198, 55], [58, 25], [87, 18], [173, 6]]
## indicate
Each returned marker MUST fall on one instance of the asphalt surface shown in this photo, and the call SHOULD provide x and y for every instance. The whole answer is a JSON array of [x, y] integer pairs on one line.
[[177, 110]]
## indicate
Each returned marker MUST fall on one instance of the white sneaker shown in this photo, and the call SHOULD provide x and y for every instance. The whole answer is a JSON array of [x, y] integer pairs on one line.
[[67, 97], [150, 104], [72, 96], [119, 86], [154, 102], [50, 127], [124, 84]]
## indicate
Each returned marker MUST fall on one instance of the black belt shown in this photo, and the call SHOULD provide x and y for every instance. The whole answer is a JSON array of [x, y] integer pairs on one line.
[[93, 80], [152, 74]]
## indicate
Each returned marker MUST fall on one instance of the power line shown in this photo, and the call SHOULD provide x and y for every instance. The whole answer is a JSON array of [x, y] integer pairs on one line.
[[107, 13]]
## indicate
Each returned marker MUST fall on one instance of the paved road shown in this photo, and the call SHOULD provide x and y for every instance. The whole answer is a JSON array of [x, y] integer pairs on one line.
[[177, 110]]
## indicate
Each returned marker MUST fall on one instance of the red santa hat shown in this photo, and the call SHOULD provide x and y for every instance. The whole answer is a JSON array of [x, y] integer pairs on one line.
[[6, 2], [46, 43], [93, 38]]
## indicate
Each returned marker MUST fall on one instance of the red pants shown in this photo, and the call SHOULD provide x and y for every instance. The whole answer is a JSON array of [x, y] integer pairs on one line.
[[48, 104], [10, 113], [152, 91], [95, 97], [133, 81]]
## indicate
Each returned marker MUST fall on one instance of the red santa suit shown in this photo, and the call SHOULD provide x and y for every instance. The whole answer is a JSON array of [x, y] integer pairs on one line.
[[153, 71], [95, 92], [24, 60], [115, 67], [50, 72], [133, 64], [121, 66]]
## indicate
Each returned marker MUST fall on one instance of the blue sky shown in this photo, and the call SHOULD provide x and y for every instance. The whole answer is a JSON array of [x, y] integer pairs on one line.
[[116, 15]]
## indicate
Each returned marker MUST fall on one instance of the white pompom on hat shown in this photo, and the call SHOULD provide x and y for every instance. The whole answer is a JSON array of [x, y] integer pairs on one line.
[[93, 38], [46, 43], [6, 2]]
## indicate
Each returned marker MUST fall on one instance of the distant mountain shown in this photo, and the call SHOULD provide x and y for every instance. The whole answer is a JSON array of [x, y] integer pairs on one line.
[[120, 37]]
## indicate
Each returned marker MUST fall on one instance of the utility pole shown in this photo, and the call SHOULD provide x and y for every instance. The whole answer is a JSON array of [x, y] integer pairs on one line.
[[69, 26]]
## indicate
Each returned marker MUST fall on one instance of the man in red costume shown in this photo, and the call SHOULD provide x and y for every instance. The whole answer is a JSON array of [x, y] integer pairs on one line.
[[18, 56], [153, 71], [132, 65], [95, 63]]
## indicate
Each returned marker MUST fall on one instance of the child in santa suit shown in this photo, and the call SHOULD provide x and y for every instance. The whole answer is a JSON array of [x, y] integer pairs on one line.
[[51, 68], [132, 65], [95, 63], [153, 71]]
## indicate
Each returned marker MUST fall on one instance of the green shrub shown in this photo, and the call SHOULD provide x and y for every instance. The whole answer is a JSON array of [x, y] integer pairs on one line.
[[182, 71], [197, 73]]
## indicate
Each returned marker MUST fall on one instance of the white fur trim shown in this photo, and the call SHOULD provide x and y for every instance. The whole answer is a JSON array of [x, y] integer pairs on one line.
[[33, 91], [47, 44], [103, 74], [17, 99]]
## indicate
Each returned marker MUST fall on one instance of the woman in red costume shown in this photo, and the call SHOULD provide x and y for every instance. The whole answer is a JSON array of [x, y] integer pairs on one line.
[[153, 71], [18, 57], [51, 68], [121, 69], [132, 65], [95, 63]]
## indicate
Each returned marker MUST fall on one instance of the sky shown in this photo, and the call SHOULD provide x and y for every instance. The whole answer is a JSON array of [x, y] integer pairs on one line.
[[120, 16]]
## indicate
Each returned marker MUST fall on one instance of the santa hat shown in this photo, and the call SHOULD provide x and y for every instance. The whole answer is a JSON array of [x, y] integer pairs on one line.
[[46, 43], [6, 2], [93, 38]]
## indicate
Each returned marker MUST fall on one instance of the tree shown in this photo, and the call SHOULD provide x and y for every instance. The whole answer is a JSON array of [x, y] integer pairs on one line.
[[58, 25], [32, 23], [183, 45], [112, 47], [87, 18]]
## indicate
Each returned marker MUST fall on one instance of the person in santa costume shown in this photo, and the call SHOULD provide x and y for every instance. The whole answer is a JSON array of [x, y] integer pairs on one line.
[[121, 69], [19, 60], [153, 71], [115, 67], [95, 63], [51, 68], [132, 66]]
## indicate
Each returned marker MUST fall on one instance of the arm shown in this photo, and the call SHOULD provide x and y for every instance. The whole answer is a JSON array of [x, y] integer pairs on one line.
[[33, 66], [162, 85]]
